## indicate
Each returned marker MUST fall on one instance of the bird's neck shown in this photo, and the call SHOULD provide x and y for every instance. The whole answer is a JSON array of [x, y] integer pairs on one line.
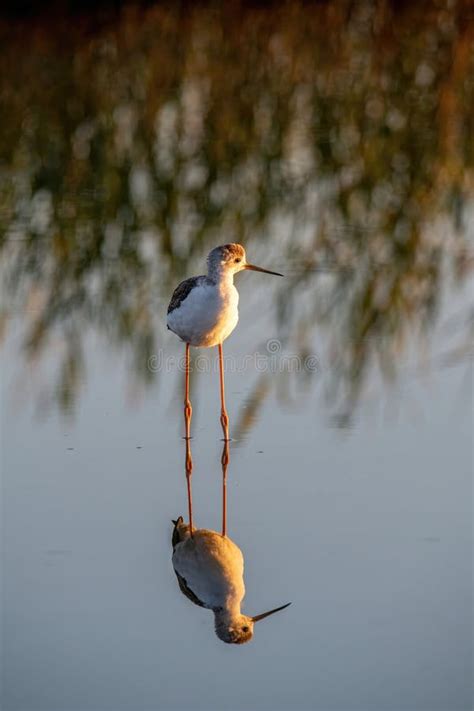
[[223, 278], [225, 615]]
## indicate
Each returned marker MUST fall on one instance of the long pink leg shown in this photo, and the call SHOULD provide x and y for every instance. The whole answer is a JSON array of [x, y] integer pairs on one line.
[[225, 452], [188, 411], [224, 416]]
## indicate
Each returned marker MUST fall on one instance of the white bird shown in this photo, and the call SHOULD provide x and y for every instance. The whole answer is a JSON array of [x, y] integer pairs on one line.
[[210, 572], [203, 312]]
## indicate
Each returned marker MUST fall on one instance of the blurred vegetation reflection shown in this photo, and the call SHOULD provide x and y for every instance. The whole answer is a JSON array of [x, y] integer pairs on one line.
[[340, 133]]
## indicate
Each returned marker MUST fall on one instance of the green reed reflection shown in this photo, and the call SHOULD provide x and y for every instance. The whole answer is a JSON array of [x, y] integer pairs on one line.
[[334, 131]]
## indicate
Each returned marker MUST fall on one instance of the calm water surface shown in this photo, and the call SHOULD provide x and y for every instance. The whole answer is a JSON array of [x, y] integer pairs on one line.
[[345, 163]]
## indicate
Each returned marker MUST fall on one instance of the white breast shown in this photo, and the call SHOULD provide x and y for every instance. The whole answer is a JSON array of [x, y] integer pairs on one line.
[[213, 567], [207, 316]]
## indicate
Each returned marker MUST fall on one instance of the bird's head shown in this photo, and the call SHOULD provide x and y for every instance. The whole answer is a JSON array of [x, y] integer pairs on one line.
[[231, 258], [238, 628]]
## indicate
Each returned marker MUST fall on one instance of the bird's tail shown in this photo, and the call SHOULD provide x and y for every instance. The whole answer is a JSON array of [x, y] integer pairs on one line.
[[179, 531]]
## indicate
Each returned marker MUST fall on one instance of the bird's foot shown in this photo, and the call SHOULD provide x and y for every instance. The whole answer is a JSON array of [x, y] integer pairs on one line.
[[225, 424]]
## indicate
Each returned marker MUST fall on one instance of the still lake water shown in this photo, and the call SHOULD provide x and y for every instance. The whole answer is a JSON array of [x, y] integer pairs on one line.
[[349, 383]]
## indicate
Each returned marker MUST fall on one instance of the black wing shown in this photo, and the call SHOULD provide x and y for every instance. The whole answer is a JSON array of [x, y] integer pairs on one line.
[[183, 586], [182, 291]]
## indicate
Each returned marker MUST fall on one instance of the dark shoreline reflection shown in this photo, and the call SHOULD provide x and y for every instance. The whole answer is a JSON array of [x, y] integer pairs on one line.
[[335, 137]]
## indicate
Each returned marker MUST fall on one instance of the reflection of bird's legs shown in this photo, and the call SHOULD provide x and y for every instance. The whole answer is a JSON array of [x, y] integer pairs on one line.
[[224, 416], [189, 471], [188, 411], [225, 463]]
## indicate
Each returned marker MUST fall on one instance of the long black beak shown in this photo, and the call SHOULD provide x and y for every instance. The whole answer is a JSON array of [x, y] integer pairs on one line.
[[257, 618], [259, 269]]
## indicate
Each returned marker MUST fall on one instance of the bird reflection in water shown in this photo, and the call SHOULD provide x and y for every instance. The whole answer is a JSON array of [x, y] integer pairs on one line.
[[210, 568]]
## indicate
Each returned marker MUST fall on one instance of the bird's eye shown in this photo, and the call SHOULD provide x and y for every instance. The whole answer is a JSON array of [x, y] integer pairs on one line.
[[237, 260], [244, 629]]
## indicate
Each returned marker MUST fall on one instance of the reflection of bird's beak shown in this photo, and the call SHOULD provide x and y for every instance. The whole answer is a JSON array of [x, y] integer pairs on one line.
[[257, 618], [259, 269]]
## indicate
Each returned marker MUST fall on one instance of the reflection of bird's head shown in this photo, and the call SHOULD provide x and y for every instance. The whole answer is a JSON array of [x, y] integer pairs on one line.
[[230, 259], [237, 630]]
